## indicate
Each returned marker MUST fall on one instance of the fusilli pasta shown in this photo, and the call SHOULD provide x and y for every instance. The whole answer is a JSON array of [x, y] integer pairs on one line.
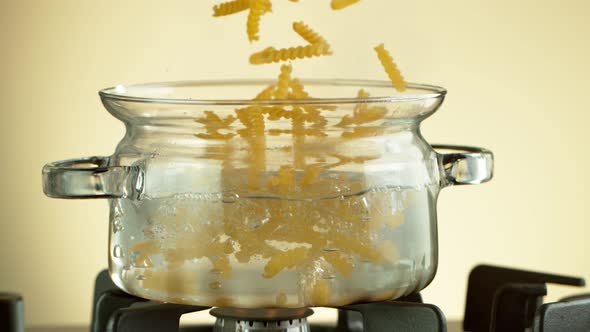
[[230, 7], [257, 9], [271, 54], [391, 68], [308, 34], [341, 4]]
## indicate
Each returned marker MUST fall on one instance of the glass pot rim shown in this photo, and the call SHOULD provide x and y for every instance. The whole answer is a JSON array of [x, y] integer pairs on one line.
[[146, 92]]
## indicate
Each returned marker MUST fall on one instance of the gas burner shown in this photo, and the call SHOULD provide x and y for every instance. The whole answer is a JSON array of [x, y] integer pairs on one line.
[[261, 320]]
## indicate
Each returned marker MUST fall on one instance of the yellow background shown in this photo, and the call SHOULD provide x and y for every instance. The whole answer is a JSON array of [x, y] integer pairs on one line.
[[516, 72]]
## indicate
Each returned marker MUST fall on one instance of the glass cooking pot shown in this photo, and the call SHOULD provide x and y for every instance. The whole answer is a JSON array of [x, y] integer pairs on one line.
[[271, 203]]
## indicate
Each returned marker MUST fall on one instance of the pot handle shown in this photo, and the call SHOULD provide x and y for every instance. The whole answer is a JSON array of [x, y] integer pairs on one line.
[[90, 177], [464, 164]]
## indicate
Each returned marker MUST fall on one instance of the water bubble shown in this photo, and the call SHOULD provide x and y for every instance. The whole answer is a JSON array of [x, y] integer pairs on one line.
[[117, 211], [140, 277], [155, 153], [229, 197], [254, 224], [117, 225], [187, 228], [159, 229], [215, 285], [117, 251], [218, 273], [315, 215], [116, 218], [365, 202], [125, 273], [169, 210], [318, 229], [142, 262], [365, 209]]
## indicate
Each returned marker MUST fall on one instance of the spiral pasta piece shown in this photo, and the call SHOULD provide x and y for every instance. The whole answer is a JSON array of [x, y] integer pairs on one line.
[[298, 90], [284, 179], [361, 132], [310, 175], [340, 262], [320, 293], [313, 114], [253, 119], [213, 123], [284, 260], [282, 90], [308, 34], [341, 4], [363, 116], [391, 68], [362, 94], [298, 131], [230, 7], [318, 46], [272, 54], [267, 5], [257, 9], [277, 113], [267, 93]]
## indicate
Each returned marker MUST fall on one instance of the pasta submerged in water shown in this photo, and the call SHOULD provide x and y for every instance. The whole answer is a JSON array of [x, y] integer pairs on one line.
[[305, 170]]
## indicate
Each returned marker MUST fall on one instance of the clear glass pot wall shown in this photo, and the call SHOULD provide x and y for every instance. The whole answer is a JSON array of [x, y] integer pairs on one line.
[[290, 203]]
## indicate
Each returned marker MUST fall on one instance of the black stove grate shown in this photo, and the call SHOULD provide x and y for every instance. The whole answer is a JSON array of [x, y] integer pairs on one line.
[[116, 311], [501, 299]]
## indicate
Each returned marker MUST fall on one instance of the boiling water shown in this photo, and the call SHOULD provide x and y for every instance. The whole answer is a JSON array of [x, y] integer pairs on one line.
[[229, 250]]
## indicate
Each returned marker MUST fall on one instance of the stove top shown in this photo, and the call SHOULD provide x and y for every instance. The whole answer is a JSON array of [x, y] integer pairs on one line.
[[498, 299], [452, 326]]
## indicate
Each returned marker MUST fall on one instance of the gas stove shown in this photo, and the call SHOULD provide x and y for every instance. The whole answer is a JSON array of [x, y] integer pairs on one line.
[[498, 299]]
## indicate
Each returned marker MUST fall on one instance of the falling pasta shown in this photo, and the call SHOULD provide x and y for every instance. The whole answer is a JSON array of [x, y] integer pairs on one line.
[[257, 9], [240, 143], [308, 34], [282, 90], [391, 68], [272, 54], [231, 7], [318, 46], [341, 4]]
